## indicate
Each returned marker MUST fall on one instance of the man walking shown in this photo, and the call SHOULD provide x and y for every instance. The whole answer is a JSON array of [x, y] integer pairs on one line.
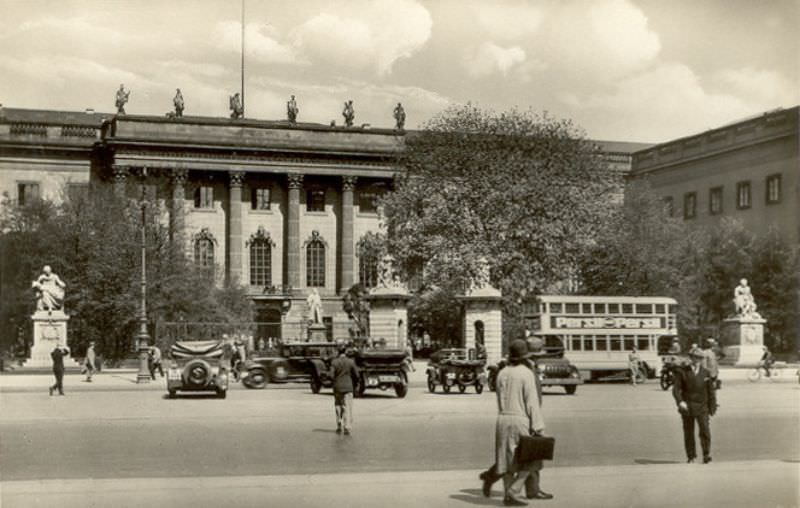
[[345, 378], [694, 394], [155, 362], [89, 362], [633, 364], [58, 355]]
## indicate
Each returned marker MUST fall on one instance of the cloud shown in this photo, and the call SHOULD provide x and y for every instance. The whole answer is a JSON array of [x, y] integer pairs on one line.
[[506, 21], [260, 42], [490, 59], [760, 85], [365, 34]]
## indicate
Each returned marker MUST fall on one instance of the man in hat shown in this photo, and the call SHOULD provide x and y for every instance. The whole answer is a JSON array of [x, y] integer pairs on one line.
[[710, 361], [58, 354], [345, 378], [89, 362], [696, 399]]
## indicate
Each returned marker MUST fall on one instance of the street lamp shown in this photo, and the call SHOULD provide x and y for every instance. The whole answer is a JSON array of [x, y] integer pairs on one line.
[[143, 338]]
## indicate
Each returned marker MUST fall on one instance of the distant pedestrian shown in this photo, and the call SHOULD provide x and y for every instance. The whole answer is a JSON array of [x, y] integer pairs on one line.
[[710, 361], [58, 354], [634, 361], [696, 399], [345, 379], [154, 361], [90, 362]]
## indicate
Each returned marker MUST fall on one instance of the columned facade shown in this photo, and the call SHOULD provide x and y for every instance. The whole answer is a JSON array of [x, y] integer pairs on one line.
[[295, 185], [347, 259], [234, 240]]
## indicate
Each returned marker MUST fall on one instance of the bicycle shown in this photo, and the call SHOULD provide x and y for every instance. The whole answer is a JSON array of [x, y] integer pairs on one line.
[[756, 374]]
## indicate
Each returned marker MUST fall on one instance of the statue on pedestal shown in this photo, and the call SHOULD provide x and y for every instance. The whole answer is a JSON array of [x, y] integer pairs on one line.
[[122, 98], [400, 117], [314, 307], [178, 103], [744, 302], [235, 105], [292, 110], [49, 290], [348, 113]]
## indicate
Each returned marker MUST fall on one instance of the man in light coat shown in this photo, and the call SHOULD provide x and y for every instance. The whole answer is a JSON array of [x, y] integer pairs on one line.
[[90, 362], [519, 414]]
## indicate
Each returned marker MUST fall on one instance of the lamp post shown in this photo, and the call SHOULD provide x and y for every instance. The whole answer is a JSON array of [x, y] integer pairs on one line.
[[143, 338]]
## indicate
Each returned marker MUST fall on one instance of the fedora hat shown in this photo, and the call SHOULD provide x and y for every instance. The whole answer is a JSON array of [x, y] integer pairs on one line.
[[518, 350]]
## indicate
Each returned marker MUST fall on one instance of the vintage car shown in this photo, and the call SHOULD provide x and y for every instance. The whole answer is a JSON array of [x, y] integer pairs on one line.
[[197, 366], [553, 368], [382, 369], [456, 367], [297, 362], [670, 363]]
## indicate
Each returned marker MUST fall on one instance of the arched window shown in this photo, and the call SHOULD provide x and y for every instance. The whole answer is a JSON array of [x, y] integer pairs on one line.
[[204, 249], [260, 245], [315, 261]]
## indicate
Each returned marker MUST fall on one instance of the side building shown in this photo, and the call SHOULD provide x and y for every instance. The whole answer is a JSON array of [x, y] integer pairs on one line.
[[748, 170]]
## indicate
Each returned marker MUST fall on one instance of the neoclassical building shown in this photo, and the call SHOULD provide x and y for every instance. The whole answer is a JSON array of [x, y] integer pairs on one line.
[[278, 207]]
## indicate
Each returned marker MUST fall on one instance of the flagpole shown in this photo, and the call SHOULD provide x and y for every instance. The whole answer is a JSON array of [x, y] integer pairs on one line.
[[242, 58]]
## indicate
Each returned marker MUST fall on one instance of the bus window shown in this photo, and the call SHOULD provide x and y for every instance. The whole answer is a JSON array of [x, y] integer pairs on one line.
[[644, 308], [643, 343], [587, 308], [576, 343], [673, 309], [588, 343], [599, 308], [627, 308], [616, 344], [660, 308], [613, 308], [572, 308], [629, 343], [555, 308], [602, 343]]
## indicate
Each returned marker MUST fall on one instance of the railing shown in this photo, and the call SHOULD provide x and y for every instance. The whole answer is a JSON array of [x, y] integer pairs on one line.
[[28, 129]]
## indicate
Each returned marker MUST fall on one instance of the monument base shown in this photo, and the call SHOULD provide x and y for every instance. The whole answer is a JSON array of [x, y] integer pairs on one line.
[[388, 318], [317, 332], [49, 330], [742, 341]]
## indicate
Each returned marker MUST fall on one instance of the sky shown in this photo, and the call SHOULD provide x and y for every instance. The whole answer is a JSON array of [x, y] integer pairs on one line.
[[624, 70]]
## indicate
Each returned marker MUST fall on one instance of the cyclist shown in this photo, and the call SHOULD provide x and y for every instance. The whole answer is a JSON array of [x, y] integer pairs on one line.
[[767, 360]]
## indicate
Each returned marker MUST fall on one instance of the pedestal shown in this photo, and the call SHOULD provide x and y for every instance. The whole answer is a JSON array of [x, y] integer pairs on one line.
[[483, 321], [49, 330], [742, 341], [388, 316], [317, 332]]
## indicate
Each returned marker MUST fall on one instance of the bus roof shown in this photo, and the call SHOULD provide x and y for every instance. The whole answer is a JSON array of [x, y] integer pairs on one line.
[[606, 299]]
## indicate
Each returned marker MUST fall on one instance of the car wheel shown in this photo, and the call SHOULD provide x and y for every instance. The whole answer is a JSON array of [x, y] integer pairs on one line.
[[221, 394], [462, 388], [362, 386], [479, 388], [172, 394], [446, 388], [197, 373], [316, 385], [401, 389], [431, 384], [256, 378], [570, 389]]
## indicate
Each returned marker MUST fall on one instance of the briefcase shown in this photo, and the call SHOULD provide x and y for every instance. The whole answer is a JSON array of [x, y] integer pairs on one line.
[[532, 448]]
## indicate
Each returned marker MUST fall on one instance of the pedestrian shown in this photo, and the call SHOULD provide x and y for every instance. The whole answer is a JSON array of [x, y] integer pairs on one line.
[[58, 354], [489, 477], [767, 360], [696, 399], [345, 378], [90, 362], [154, 357], [675, 348], [633, 364], [710, 361]]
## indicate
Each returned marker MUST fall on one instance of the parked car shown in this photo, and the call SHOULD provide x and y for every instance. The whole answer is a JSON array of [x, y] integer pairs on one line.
[[382, 369], [291, 362], [197, 366], [456, 367], [553, 368]]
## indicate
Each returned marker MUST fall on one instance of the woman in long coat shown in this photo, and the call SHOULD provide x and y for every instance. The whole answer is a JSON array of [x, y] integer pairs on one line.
[[518, 415]]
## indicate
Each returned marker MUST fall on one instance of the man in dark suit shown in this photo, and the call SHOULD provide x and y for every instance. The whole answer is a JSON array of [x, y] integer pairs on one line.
[[696, 399], [345, 378], [58, 355]]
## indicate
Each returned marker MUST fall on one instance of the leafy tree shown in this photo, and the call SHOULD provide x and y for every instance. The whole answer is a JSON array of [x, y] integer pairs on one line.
[[438, 312], [521, 191]]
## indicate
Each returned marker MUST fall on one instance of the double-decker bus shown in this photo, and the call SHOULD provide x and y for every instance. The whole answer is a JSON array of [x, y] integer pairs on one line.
[[598, 332]]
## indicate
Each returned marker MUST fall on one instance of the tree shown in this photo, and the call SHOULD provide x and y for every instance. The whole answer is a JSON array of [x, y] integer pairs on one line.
[[521, 191], [437, 312]]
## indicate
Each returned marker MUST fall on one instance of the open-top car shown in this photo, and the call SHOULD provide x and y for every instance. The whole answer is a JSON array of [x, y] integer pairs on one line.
[[298, 362], [197, 366], [456, 367], [553, 368], [382, 369]]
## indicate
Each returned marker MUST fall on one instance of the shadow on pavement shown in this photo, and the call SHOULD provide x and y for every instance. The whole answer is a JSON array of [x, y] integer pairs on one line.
[[475, 496], [645, 462]]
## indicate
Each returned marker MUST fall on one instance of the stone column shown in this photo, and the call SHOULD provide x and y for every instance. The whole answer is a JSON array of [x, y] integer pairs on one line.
[[179, 177], [234, 241], [120, 177], [293, 232], [348, 184]]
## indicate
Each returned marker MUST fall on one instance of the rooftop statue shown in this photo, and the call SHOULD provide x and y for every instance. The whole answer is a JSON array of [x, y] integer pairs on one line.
[[49, 290], [292, 110], [314, 306], [235, 104], [348, 113], [744, 302], [178, 102], [122, 98], [399, 116]]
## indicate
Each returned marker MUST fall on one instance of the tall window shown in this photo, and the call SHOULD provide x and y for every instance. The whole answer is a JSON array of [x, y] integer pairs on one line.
[[204, 197], [669, 206], [315, 200], [367, 270], [260, 260], [743, 195], [690, 205], [204, 250], [715, 201], [315, 261], [773, 189], [259, 199], [27, 192], [368, 199]]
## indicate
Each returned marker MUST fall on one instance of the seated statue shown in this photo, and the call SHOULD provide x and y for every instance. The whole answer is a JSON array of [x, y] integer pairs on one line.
[[49, 290]]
